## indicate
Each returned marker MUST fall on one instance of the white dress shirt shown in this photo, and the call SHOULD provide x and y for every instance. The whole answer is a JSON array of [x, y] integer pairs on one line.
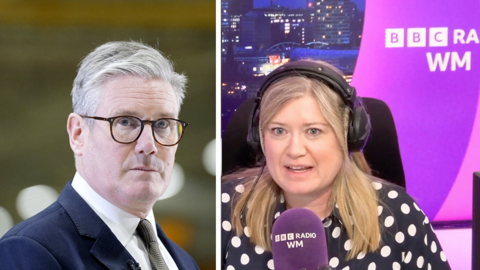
[[122, 224]]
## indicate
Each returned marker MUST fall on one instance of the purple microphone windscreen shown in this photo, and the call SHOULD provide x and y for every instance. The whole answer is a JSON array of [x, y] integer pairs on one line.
[[298, 241]]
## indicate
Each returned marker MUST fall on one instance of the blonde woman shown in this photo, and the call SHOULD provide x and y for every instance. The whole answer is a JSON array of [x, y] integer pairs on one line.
[[311, 128]]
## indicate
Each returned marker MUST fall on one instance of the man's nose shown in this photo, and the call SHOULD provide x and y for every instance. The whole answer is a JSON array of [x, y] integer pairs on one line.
[[146, 143]]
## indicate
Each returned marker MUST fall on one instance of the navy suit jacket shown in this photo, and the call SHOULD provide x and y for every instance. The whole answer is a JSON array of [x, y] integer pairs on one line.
[[70, 235]]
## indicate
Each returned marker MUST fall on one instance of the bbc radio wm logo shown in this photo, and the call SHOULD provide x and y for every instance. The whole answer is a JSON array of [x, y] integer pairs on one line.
[[435, 37], [294, 240]]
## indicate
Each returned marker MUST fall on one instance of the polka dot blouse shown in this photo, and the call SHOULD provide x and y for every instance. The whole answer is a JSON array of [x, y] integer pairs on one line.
[[408, 240]]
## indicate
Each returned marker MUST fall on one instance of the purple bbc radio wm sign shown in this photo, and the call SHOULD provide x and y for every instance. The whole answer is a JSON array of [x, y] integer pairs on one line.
[[423, 59], [437, 37]]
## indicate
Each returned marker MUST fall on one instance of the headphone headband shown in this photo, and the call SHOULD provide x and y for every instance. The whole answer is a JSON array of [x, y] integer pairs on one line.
[[359, 121], [313, 70]]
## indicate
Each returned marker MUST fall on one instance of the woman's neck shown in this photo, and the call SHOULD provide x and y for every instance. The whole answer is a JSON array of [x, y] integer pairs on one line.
[[320, 205]]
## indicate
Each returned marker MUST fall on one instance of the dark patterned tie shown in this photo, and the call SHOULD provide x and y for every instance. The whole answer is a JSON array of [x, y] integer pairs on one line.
[[145, 230]]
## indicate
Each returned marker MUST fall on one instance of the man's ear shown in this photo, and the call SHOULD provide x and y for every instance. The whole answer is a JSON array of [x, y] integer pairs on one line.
[[77, 130]]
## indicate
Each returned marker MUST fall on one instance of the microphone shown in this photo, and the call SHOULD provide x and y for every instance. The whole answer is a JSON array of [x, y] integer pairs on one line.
[[299, 242]]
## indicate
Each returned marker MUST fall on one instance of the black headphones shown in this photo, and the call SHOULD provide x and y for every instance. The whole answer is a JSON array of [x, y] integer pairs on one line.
[[359, 121]]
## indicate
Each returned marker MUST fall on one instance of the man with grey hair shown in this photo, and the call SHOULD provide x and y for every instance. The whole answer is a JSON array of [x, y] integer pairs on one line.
[[124, 133]]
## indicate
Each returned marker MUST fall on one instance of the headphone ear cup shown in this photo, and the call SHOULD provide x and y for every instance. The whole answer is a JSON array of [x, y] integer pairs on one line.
[[359, 128], [253, 136]]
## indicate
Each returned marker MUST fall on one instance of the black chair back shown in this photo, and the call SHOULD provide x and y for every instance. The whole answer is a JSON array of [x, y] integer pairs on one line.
[[381, 152]]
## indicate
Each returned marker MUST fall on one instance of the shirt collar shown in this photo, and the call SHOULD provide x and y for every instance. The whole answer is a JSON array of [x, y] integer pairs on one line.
[[121, 223]]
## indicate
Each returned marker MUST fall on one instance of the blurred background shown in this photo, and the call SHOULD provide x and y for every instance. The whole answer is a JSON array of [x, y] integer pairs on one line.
[[41, 44]]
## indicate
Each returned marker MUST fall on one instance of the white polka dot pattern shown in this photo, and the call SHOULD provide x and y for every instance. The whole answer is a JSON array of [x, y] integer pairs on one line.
[[426, 221], [225, 198], [361, 255], [389, 221], [334, 262], [392, 194], [226, 225], [377, 185], [259, 250], [327, 223], [442, 256], [412, 230], [240, 188], [407, 239], [434, 247], [348, 245], [336, 232], [420, 262], [416, 206], [246, 230], [405, 208], [385, 251], [236, 242], [399, 237], [244, 259], [379, 210], [408, 257], [270, 264]]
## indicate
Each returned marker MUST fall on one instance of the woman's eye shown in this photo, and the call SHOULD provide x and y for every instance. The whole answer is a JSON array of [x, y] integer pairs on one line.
[[278, 131], [314, 131]]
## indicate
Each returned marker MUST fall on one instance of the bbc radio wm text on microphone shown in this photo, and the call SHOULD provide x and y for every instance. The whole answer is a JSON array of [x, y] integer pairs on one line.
[[435, 37], [291, 238]]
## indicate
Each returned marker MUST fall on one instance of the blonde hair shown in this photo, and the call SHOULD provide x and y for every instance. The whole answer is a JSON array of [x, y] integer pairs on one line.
[[352, 191]]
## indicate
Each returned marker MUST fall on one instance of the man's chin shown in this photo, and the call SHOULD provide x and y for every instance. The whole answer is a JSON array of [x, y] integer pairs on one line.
[[145, 196], [147, 188]]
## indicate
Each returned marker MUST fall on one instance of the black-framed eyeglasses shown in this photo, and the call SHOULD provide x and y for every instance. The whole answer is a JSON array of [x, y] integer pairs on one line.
[[127, 129]]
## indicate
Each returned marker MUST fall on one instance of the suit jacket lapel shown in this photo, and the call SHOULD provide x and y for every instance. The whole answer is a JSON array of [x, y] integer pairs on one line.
[[108, 250], [106, 247], [170, 248]]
